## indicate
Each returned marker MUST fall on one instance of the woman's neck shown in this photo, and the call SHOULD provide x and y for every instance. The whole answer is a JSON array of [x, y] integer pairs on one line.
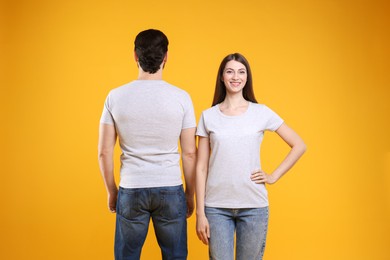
[[233, 106], [234, 102]]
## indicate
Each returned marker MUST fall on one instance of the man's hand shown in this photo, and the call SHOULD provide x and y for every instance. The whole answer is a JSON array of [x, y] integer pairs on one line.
[[111, 200], [190, 205]]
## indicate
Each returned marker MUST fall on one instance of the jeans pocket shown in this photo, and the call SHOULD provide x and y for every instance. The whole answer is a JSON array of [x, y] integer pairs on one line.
[[173, 203], [127, 205]]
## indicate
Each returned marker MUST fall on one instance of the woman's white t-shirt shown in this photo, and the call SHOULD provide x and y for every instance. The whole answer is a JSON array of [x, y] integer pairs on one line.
[[235, 153]]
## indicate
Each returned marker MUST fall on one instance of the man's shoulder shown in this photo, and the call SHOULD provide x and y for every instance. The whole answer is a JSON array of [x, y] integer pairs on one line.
[[120, 89], [175, 88]]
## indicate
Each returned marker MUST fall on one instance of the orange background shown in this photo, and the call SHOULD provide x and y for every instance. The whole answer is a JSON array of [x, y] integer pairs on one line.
[[322, 65]]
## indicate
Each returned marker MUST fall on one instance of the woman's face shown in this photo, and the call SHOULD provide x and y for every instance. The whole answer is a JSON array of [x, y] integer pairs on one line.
[[234, 76]]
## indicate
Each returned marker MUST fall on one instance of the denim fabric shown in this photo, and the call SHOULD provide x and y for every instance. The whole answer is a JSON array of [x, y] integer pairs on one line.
[[167, 208], [250, 226]]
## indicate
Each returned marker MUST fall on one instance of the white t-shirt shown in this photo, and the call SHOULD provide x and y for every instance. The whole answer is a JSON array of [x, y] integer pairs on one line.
[[148, 116], [235, 153]]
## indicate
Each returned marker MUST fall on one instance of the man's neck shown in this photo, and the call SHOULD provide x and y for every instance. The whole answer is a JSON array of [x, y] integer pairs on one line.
[[142, 75]]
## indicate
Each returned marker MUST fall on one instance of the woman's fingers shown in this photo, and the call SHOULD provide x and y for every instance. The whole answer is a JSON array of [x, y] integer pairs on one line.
[[203, 230], [259, 176], [204, 236]]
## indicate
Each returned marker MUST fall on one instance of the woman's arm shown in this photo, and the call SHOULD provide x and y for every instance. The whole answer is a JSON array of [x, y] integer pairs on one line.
[[202, 225], [298, 148]]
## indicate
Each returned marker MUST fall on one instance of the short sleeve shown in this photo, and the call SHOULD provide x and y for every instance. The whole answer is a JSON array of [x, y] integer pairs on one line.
[[201, 129], [107, 117], [189, 114], [274, 121]]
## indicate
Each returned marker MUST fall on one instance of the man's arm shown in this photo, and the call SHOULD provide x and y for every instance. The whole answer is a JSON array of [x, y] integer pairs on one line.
[[188, 151], [107, 140]]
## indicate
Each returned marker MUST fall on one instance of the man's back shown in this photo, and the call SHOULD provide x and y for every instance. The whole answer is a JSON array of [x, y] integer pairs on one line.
[[149, 116]]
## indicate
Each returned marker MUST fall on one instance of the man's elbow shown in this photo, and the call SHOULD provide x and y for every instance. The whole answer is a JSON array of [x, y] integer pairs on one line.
[[104, 154], [190, 155]]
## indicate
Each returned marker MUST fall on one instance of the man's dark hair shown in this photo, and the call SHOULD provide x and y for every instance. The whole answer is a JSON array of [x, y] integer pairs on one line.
[[151, 46]]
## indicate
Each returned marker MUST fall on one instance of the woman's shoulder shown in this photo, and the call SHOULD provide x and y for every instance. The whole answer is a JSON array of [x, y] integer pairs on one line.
[[210, 110], [261, 109], [258, 106]]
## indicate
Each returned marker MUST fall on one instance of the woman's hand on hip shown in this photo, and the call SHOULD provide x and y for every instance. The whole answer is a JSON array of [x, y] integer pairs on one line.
[[261, 177]]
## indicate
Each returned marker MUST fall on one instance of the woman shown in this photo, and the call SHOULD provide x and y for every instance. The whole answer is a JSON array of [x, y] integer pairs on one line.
[[230, 185]]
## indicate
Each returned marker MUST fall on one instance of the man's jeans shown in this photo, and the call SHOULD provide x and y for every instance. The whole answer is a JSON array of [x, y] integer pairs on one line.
[[250, 226], [166, 206]]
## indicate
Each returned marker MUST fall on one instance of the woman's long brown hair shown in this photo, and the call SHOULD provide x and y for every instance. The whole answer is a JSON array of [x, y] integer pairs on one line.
[[220, 88]]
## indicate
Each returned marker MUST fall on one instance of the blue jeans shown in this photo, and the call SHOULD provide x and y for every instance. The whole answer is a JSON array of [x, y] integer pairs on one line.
[[167, 208], [250, 226]]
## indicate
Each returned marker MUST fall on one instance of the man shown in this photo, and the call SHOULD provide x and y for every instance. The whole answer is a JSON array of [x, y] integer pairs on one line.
[[149, 116]]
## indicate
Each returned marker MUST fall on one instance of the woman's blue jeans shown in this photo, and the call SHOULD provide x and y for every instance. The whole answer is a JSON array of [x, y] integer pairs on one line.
[[250, 226], [167, 208]]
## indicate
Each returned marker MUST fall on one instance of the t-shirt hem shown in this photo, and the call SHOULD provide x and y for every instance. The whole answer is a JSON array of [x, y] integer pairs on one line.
[[241, 206], [279, 125], [186, 127], [107, 123], [134, 186]]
